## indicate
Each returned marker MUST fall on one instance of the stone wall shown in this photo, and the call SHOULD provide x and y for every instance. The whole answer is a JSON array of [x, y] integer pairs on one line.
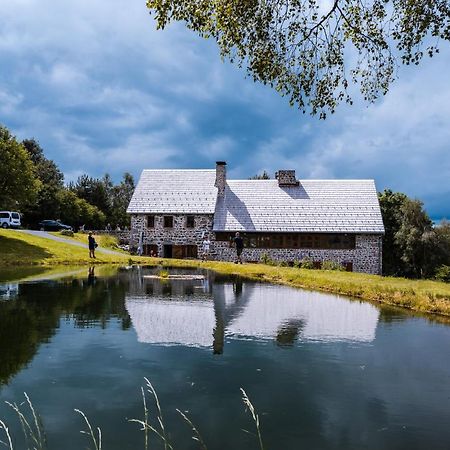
[[365, 257], [286, 178], [221, 178], [179, 234]]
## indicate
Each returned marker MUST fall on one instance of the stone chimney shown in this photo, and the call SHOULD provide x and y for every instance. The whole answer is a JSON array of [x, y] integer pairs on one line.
[[286, 178], [221, 177]]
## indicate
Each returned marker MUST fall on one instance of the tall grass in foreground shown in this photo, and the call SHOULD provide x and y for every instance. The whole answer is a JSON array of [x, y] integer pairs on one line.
[[34, 434], [32, 427]]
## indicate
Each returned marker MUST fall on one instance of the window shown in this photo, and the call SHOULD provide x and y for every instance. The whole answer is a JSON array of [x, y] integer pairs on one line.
[[190, 222], [150, 221], [292, 240], [168, 221]]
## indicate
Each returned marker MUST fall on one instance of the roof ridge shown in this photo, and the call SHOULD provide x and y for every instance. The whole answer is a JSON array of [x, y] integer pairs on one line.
[[307, 179], [179, 170]]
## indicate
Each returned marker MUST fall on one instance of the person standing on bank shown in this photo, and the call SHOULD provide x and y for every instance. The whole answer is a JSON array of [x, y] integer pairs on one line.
[[239, 244], [205, 248], [92, 245]]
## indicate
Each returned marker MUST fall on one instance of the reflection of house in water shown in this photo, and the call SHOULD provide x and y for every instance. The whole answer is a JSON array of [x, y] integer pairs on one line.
[[244, 310]]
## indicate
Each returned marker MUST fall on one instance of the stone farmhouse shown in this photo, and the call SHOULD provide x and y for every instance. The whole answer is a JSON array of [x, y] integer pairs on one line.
[[286, 219]]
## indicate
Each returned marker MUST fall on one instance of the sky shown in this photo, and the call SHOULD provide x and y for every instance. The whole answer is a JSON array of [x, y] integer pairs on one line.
[[103, 91]]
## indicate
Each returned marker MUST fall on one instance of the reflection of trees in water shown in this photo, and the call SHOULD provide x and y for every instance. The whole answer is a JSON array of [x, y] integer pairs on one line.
[[33, 317], [23, 327], [393, 314]]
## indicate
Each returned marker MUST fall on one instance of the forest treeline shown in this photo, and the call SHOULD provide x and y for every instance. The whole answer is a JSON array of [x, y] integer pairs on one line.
[[34, 185]]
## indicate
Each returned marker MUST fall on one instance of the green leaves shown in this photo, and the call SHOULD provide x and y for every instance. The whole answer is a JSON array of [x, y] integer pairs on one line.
[[301, 49], [412, 246], [18, 182]]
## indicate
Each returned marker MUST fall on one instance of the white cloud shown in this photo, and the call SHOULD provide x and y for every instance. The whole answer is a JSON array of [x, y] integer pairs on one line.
[[9, 102], [217, 148]]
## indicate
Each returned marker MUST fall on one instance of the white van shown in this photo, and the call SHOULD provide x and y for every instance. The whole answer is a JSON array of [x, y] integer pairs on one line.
[[9, 219]]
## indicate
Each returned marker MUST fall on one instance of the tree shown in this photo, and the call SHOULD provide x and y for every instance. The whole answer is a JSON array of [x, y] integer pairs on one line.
[[416, 239], [412, 246], [95, 191], [443, 237], [121, 196], [390, 204], [76, 211], [111, 199], [302, 49], [52, 181], [18, 182], [260, 176], [441, 253]]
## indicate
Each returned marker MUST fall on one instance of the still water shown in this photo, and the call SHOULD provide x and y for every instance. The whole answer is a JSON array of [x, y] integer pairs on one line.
[[323, 371]]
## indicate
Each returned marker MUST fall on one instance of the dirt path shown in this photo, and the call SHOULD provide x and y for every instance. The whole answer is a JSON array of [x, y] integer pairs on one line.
[[46, 235]]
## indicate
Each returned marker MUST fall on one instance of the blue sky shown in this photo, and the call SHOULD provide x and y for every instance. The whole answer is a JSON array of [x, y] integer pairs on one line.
[[103, 91]]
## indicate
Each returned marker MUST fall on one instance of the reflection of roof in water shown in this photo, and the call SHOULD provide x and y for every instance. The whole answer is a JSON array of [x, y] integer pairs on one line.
[[160, 321], [261, 311], [325, 317]]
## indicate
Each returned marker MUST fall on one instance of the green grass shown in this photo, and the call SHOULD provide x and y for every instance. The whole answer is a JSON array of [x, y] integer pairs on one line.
[[20, 249], [103, 240], [420, 295]]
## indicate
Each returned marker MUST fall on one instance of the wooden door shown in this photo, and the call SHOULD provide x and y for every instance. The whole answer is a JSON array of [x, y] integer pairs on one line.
[[178, 251]]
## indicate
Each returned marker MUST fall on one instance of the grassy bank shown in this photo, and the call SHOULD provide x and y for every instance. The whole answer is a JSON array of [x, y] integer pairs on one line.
[[420, 295], [103, 240], [20, 249]]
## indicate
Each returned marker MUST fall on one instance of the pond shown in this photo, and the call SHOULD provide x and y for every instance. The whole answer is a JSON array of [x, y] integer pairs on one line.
[[323, 371]]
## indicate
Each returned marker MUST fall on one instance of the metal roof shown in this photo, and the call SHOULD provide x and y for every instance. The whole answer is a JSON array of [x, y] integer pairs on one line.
[[174, 191], [314, 206]]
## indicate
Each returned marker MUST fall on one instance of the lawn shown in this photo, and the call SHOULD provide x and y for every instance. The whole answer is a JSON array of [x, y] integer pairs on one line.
[[103, 240], [19, 249]]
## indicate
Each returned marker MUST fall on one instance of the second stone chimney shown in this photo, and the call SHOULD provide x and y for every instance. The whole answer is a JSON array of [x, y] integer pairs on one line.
[[286, 178], [221, 177]]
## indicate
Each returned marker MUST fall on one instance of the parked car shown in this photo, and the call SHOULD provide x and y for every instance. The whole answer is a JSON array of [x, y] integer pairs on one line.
[[9, 219], [53, 225]]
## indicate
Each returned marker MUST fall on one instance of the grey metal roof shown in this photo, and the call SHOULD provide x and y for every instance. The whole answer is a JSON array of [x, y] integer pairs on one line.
[[174, 191], [321, 206]]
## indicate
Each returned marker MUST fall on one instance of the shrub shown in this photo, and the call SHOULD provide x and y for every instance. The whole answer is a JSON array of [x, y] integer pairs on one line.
[[283, 264], [332, 265], [163, 274], [443, 274], [307, 263], [66, 233], [266, 259]]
